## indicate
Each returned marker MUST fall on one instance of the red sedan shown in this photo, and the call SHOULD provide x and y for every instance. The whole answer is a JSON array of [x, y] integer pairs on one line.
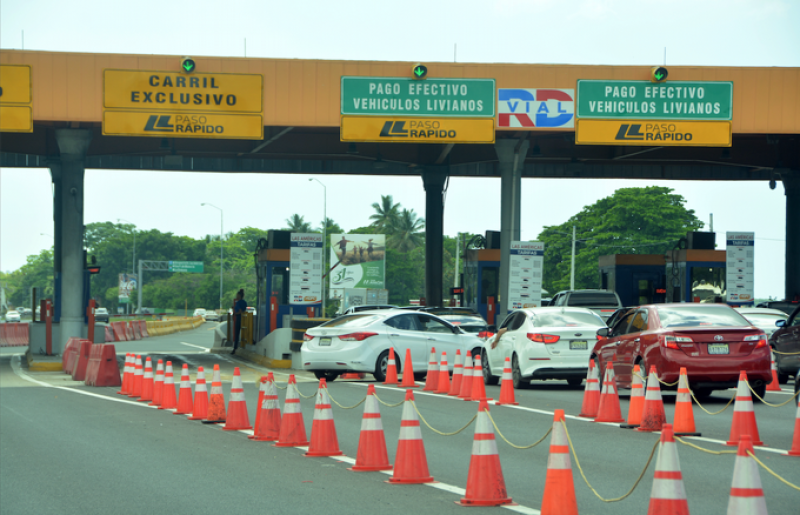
[[712, 341]]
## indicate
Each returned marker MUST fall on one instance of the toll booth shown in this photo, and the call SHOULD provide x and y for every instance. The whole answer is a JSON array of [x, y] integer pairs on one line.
[[482, 280], [696, 275], [637, 278]]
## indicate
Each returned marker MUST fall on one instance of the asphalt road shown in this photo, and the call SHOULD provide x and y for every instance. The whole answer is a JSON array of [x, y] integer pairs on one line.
[[66, 448]]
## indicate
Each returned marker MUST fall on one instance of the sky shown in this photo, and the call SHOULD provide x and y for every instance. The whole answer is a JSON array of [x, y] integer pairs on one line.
[[592, 32]]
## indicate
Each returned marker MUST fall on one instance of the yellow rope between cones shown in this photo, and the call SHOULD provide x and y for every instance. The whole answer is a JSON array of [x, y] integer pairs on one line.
[[534, 444], [644, 380], [436, 430], [785, 353], [386, 403], [715, 412], [779, 478], [709, 451], [305, 396], [770, 404], [577, 464], [359, 403]]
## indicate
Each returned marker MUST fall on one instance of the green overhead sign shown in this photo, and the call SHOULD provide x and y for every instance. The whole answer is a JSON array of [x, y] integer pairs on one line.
[[400, 96], [192, 267], [645, 100]]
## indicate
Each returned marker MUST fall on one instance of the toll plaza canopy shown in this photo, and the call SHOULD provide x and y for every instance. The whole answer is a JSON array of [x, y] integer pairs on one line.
[[71, 111]]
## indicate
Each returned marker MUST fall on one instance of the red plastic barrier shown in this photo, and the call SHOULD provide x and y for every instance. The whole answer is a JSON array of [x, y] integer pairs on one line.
[[93, 365], [128, 331], [69, 355], [26, 334], [134, 325], [109, 334], [107, 368], [143, 329], [120, 334], [81, 360], [4, 336]]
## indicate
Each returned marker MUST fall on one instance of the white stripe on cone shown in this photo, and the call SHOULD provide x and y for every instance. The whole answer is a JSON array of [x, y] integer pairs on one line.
[[410, 415], [484, 447]]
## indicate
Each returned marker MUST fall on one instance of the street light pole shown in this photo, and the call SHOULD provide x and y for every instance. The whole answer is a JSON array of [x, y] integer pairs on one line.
[[324, 229], [572, 264], [220, 251], [133, 259]]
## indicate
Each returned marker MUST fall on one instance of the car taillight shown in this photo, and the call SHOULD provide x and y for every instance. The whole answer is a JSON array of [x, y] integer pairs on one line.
[[485, 334], [307, 337], [760, 339], [671, 342], [356, 337], [543, 338], [599, 337]]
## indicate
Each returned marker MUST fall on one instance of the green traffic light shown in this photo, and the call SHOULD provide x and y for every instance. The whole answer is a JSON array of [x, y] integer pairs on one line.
[[188, 65], [419, 71]]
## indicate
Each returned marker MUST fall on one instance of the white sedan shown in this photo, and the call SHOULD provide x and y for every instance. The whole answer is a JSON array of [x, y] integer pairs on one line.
[[360, 343], [12, 316], [543, 343], [763, 318]]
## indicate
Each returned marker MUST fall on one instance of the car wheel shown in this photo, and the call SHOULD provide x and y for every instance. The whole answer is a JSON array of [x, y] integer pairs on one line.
[[380, 366], [327, 375], [516, 375], [488, 378], [760, 390], [575, 382], [783, 378]]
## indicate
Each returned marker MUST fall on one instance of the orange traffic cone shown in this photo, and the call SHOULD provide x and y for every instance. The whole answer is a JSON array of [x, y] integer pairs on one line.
[[795, 450], [747, 496], [444, 376], [353, 375], [458, 375], [668, 496], [636, 402], [323, 431], [158, 384], [466, 378], [391, 370], [775, 385], [591, 394], [408, 372], [683, 421], [372, 455], [478, 389], [410, 463], [138, 376], [262, 388], [432, 377], [126, 387], [293, 429], [485, 483], [608, 409], [237, 418], [185, 393], [216, 400], [200, 409], [147, 381], [268, 425], [507, 386], [653, 415], [744, 418], [168, 399], [559, 488]]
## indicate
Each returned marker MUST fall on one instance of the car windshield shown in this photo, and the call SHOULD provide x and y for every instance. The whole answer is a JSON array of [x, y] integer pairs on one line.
[[566, 319], [359, 320], [764, 319], [700, 316], [593, 299], [467, 324]]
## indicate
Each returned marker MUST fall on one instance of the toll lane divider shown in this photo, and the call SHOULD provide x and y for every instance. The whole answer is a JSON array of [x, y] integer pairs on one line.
[[140, 329], [14, 335]]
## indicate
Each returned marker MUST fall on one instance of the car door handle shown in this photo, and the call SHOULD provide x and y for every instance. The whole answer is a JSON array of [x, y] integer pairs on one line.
[[431, 338], [394, 334]]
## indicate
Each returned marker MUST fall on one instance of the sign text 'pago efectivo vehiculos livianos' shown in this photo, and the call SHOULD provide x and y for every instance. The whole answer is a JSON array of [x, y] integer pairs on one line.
[[417, 130]]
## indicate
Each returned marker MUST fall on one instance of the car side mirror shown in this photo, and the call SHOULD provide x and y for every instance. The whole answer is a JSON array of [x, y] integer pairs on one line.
[[603, 332], [780, 323]]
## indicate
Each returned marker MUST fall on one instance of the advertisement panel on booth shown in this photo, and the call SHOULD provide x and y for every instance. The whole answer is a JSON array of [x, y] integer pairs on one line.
[[525, 274], [740, 256], [127, 283], [305, 273], [357, 261]]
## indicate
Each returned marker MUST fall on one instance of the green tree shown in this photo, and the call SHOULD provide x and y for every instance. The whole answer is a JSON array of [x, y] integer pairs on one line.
[[646, 220], [297, 223], [405, 233], [386, 214], [405, 275]]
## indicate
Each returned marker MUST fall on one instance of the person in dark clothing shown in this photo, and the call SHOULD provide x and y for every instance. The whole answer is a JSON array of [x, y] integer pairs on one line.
[[239, 307], [369, 248]]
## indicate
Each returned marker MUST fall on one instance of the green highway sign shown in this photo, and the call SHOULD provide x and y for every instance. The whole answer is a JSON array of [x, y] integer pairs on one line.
[[192, 267], [644, 100], [399, 96]]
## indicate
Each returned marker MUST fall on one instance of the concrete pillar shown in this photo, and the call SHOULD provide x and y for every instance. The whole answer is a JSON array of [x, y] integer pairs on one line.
[[433, 179], [791, 185], [68, 172], [511, 155]]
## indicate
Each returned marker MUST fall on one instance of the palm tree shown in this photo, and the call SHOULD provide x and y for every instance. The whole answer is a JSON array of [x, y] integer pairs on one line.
[[296, 223], [406, 233], [386, 213]]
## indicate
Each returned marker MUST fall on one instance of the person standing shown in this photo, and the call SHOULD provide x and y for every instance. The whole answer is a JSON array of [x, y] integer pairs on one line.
[[239, 307]]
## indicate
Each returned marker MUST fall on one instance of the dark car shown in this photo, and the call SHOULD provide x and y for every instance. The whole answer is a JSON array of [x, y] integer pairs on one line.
[[787, 306], [712, 341], [786, 342], [602, 302]]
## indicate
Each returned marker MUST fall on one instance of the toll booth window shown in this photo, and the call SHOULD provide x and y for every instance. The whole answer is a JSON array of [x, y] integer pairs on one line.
[[280, 284], [489, 281], [471, 285], [645, 291], [708, 284]]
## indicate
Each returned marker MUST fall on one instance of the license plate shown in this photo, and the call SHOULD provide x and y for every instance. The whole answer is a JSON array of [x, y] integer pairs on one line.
[[718, 348], [578, 345], [324, 342]]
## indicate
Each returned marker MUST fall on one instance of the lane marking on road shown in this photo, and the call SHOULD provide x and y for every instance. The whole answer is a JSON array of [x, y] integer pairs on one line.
[[205, 349]]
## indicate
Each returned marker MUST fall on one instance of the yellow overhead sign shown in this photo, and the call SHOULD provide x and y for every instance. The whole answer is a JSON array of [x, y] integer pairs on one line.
[[16, 112], [656, 133], [16, 118], [182, 125], [179, 92], [400, 129]]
